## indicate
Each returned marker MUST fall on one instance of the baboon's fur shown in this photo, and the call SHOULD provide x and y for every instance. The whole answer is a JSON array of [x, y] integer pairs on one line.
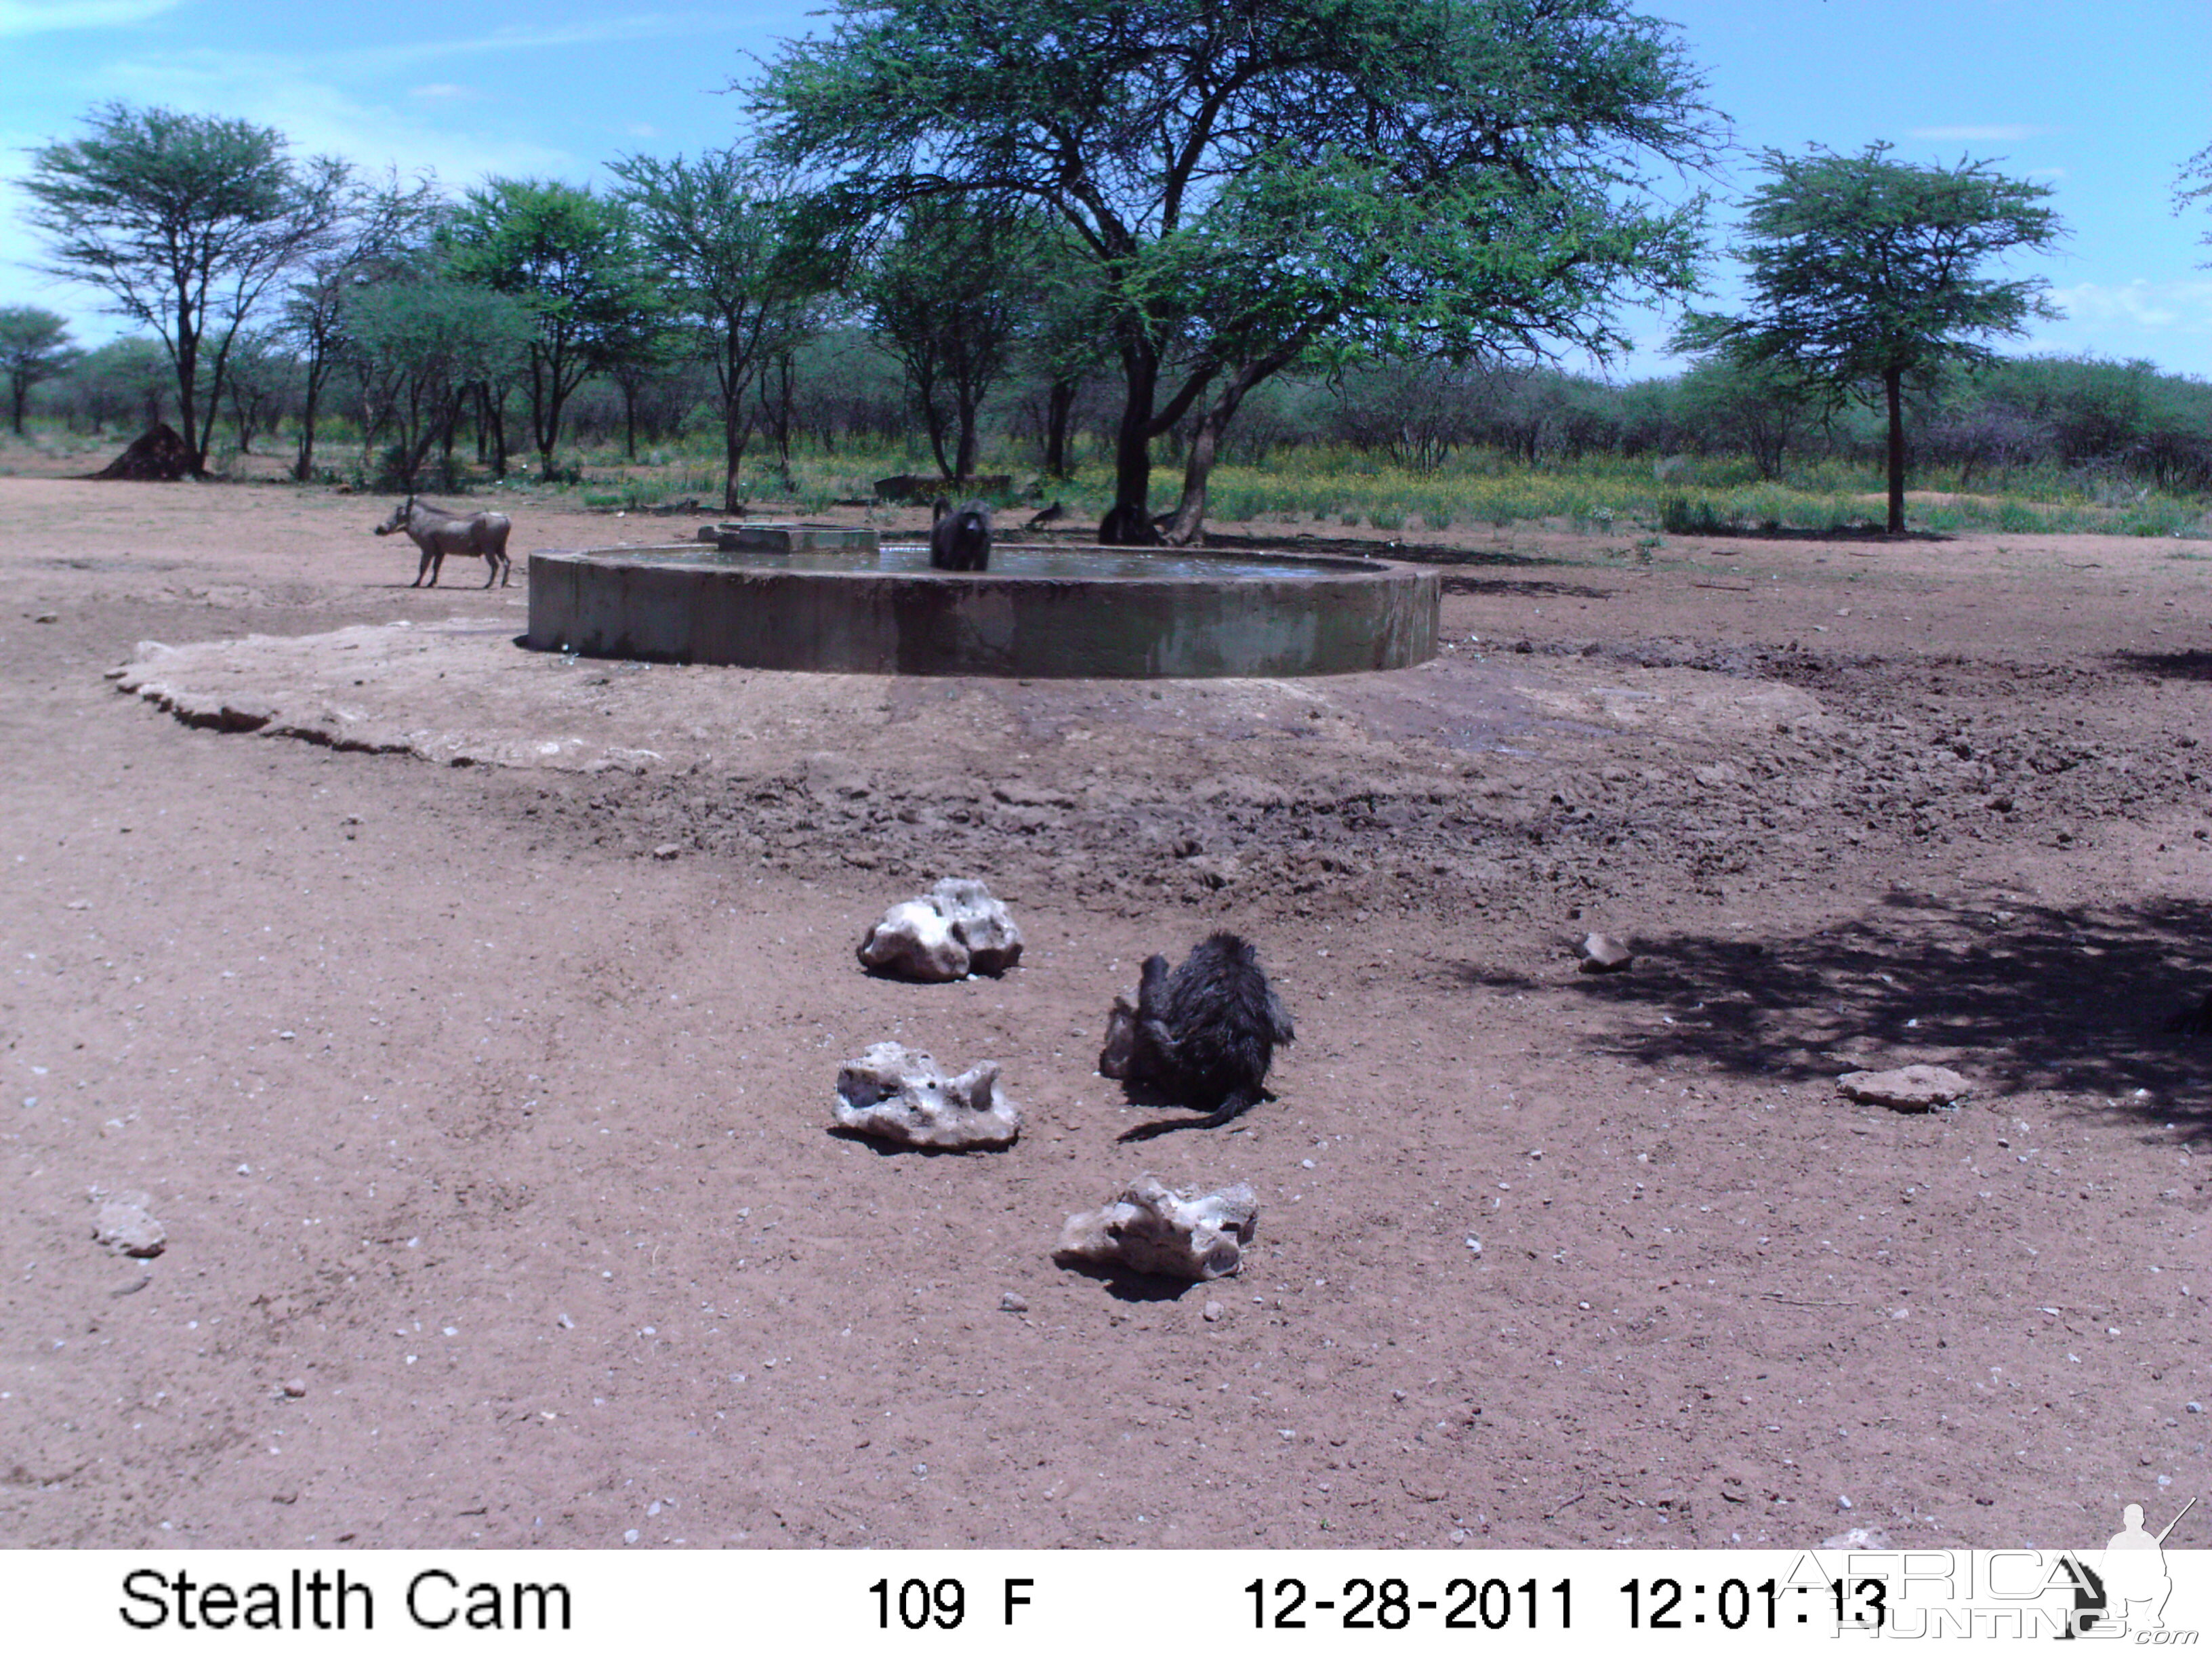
[[960, 538], [1206, 1033]]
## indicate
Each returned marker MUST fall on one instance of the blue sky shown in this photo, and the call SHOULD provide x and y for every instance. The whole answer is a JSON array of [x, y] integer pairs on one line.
[[2103, 101]]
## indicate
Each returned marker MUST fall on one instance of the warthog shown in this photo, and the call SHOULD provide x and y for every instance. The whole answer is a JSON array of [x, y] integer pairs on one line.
[[438, 532]]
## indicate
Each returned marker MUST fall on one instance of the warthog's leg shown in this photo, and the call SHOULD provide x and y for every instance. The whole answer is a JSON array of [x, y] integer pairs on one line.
[[492, 559], [423, 567]]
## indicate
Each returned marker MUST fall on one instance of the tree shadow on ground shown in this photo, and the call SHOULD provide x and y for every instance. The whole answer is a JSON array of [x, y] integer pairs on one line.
[[2015, 994], [2165, 664]]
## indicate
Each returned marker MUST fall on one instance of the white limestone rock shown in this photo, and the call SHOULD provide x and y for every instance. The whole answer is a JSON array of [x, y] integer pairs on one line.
[[893, 1093], [124, 1225], [954, 930], [1601, 953], [1150, 1230], [1907, 1089]]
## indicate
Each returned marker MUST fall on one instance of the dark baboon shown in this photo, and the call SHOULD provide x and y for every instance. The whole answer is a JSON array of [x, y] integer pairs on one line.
[[960, 539], [1205, 1034], [1129, 527]]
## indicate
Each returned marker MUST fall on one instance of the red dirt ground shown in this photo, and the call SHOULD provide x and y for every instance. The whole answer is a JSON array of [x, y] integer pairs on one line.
[[504, 1139]]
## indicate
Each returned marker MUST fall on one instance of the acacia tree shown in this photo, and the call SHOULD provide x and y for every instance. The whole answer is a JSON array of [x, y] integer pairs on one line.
[[570, 259], [1866, 272], [35, 346], [419, 345], [949, 297], [741, 268], [380, 227], [1460, 175], [186, 221]]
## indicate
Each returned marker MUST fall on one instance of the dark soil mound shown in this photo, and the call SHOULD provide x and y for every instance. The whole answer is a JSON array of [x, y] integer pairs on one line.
[[159, 454]]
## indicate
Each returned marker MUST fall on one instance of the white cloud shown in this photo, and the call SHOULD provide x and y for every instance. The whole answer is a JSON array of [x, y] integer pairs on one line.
[[47, 16], [321, 118], [441, 89], [2183, 304], [1997, 135]]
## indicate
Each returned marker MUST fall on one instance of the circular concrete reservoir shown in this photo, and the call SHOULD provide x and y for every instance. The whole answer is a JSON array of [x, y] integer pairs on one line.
[[1047, 612]]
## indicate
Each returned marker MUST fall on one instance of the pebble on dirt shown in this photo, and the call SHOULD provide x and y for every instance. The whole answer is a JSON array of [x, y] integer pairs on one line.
[[954, 929], [895, 1094], [1907, 1089], [1011, 1302], [1150, 1230], [1601, 953], [124, 1224]]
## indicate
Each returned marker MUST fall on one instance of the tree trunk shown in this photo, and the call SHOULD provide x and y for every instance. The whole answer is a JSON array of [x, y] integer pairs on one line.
[[1132, 444], [19, 392], [303, 463], [1060, 412], [963, 453], [188, 347], [1188, 525], [1893, 388], [735, 429]]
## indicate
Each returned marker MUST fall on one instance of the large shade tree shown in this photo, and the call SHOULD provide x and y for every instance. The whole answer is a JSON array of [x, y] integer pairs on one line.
[[1265, 182], [1868, 273], [186, 221]]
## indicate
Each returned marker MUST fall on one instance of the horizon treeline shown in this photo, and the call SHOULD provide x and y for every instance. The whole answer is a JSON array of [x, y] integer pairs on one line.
[[845, 389]]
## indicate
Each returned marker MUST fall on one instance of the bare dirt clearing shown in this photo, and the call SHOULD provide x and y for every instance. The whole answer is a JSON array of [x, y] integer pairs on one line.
[[505, 1141]]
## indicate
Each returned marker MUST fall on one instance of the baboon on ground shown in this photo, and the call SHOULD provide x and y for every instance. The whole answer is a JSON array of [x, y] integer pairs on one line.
[[960, 539], [1205, 1034]]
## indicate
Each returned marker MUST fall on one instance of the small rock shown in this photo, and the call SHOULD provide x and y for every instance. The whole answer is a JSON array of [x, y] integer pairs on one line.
[[45, 617], [1907, 1089], [896, 1094], [666, 850], [1213, 1311], [1858, 1538], [631, 1537], [1150, 1230], [124, 1224], [296, 1387], [1010, 1303], [1601, 953]]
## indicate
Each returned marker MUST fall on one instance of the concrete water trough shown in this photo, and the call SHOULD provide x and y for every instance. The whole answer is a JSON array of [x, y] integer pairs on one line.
[[1040, 611]]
